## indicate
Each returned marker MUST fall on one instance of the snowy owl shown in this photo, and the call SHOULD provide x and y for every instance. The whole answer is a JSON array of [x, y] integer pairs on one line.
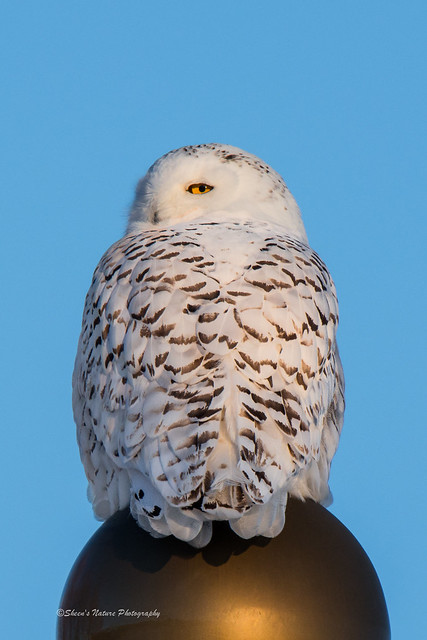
[[208, 384]]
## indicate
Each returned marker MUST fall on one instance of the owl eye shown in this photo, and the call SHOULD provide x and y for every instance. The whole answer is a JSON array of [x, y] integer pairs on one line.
[[199, 188]]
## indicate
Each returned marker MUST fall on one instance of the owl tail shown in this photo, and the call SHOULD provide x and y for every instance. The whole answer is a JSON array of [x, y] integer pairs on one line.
[[263, 520]]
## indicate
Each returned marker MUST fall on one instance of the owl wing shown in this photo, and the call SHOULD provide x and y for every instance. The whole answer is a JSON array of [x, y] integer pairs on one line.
[[146, 400], [288, 373]]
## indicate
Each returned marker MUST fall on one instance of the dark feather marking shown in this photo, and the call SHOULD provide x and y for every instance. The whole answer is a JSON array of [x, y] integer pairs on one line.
[[156, 511], [163, 331], [155, 317], [255, 334], [141, 313], [155, 278], [322, 317], [182, 243], [213, 364], [119, 349], [267, 262], [287, 395], [287, 428], [192, 308], [262, 285], [295, 454], [141, 275], [207, 317], [192, 259], [252, 363], [300, 380], [207, 296], [161, 287], [313, 325], [237, 318], [289, 370], [295, 281], [238, 293], [279, 284], [307, 370], [303, 260], [247, 455], [314, 285], [247, 433], [243, 389], [270, 363], [134, 256], [258, 415], [261, 476], [304, 327], [124, 274], [193, 365], [157, 253], [203, 412], [173, 370], [184, 394], [183, 422], [161, 359], [292, 414], [111, 274], [167, 256], [268, 403], [203, 397], [182, 340], [281, 333], [281, 258], [197, 440], [205, 339], [194, 287], [205, 264]]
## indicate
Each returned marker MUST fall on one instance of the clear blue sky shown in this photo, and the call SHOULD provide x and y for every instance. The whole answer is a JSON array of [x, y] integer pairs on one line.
[[333, 95]]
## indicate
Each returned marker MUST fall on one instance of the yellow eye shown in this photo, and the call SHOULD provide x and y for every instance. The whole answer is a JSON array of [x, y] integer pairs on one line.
[[199, 188]]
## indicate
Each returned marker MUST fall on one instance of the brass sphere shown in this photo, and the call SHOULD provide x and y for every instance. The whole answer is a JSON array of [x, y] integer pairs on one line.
[[312, 582]]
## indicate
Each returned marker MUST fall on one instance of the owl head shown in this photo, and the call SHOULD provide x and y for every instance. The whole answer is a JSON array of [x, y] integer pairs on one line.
[[213, 182]]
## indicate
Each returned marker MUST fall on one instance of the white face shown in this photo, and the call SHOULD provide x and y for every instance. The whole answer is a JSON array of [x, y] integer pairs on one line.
[[213, 182]]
